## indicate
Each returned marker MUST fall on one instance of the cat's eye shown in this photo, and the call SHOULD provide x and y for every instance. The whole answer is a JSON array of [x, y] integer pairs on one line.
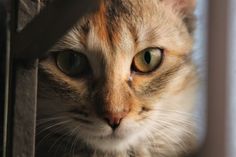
[[147, 60], [72, 63]]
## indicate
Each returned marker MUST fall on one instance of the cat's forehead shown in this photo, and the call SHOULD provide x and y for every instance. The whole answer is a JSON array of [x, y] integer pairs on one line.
[[122, 25], [115, 13]]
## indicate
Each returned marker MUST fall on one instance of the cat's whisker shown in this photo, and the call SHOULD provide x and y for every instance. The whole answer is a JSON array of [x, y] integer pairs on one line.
[[70, 134], [165, 119], [64, 135], [175, 122], [149, 135], [168, 111], [73, 140], [165, 137], [51, 117], [54, 114], [172, 126], [67, 134], [58, 128], [178, 141], [174, 113], [52, 126], [74, 146], [48, 120]]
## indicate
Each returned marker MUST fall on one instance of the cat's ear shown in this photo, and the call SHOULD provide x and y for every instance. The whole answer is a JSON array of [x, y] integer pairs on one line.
[[186, 9], [182, 6]]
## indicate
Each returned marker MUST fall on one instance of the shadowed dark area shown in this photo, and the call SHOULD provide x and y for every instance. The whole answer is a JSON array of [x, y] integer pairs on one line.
[[2, 67]]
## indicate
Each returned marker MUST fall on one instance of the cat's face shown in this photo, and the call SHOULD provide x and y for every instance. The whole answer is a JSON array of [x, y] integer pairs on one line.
[[121, 76]]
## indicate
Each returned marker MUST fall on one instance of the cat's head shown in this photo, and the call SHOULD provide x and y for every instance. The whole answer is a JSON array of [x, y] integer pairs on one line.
[[123, 76]]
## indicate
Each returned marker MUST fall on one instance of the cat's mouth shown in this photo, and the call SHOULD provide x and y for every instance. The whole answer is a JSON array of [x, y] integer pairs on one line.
[[116, 134], [99, 133]]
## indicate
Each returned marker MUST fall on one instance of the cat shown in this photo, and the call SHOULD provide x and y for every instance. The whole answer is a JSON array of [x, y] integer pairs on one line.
[[121, 83]]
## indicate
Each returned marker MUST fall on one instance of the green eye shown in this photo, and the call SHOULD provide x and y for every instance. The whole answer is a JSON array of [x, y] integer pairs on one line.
[[72, 63], [147, 60]]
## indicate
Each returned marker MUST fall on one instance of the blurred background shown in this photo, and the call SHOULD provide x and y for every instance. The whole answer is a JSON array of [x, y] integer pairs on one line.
[[200, 56], [232, 79]]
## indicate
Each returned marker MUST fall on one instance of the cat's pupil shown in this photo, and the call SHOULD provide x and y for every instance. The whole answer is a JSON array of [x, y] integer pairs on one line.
[[147, 57], [74, 60]]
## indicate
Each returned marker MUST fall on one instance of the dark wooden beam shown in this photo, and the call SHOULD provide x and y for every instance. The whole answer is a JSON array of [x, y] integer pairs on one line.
[[24, 109], [10, 8]]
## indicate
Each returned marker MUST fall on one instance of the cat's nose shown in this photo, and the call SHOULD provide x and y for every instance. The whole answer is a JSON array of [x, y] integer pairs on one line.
[[114, 119]]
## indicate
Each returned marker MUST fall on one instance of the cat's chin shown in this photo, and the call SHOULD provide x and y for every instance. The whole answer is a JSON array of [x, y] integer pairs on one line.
[[112, 143]]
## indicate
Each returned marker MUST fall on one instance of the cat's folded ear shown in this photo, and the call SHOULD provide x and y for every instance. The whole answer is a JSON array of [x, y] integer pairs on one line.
[[186, 9]]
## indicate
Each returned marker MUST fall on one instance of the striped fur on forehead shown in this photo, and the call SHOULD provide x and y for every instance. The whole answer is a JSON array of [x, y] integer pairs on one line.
[[144, 19], [107, 23], [109, 20]]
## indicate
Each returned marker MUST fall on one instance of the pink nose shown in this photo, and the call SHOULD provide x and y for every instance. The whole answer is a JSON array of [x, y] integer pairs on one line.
[[114, 119]]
